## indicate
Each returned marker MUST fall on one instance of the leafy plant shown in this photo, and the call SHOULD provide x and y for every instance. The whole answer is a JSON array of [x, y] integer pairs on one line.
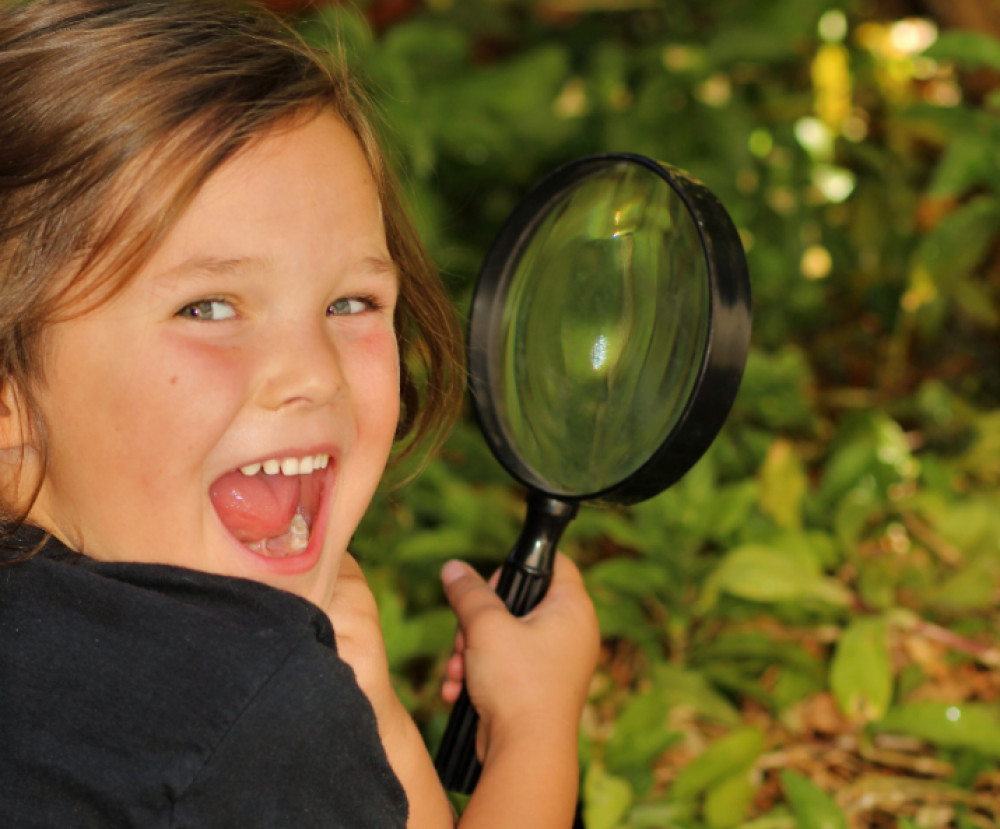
[[802, 632]]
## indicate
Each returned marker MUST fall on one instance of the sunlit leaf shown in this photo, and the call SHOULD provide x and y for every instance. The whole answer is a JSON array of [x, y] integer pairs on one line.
[[728, 801], [668, 815], [783, 485], [725, 757], [813, 808], [871, 450], [861, 674], [965, 725], [763, 574], [606, 799], [831, 80]]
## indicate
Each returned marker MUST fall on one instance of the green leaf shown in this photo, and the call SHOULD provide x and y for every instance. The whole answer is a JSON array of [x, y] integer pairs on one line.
[[861, 674], [943, 268], [870, 455], [776, 389], [640, 734], [681, 688], [968, 159], [728, 801], [972, 588], [970, 49], [431, 51], [775, 820], [966, 725], [813, 808], [631, 577], [760, 573], [783, 485], [618, 616], [727, 756], [731, 508], [606, 799], [660, 816]]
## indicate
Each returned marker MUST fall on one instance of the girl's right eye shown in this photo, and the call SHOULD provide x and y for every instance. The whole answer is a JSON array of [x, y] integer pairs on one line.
[[208, 309]]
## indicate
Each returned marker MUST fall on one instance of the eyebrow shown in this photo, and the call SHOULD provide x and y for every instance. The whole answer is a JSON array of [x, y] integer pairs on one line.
[[381, 266]]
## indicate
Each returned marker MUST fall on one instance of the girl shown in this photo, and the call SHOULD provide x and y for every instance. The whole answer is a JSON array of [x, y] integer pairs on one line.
[[210, 305]]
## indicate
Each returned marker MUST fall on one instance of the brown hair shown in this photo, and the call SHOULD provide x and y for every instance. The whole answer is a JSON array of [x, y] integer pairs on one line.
[[113, 113]]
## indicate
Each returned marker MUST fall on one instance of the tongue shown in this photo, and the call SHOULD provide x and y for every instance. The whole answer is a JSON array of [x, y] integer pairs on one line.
[[257, 507]]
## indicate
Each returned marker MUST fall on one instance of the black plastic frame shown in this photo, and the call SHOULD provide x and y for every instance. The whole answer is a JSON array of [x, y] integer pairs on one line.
[[726, 346]]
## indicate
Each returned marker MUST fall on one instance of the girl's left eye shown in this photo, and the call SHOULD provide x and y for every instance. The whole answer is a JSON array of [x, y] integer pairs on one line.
[[348, 306], [208, 309]]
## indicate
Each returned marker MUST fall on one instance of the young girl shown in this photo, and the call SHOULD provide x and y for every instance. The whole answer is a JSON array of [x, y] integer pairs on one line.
[[210, 305]]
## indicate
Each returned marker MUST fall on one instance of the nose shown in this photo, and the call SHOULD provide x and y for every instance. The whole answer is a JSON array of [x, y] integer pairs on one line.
[[301, 366]]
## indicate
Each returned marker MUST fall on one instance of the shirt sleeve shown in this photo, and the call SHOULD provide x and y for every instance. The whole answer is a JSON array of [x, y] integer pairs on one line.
[[304, 752]]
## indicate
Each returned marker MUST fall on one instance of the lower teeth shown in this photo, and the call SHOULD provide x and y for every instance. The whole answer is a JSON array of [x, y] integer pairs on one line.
[[296, 539], [298, 534]]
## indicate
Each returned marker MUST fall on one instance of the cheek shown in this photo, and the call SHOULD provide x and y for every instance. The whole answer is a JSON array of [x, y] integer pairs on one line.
[[375, 369], [143, 415], [193, 395]]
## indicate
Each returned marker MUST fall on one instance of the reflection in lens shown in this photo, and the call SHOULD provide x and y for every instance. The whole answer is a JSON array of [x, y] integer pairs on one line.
[[608, 319]]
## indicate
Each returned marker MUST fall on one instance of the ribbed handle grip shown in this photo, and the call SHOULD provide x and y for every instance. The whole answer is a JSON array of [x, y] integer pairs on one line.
[[524, 580]]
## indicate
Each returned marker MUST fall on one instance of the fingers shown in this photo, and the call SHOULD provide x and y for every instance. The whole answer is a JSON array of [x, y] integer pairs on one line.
[[468, 594], [454, 675], [566, 572]]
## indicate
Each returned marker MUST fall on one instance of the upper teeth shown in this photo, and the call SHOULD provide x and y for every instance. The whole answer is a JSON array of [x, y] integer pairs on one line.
[[288, 466]]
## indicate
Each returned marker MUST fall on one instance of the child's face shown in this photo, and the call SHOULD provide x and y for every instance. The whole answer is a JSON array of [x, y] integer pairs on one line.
[[260, 331]]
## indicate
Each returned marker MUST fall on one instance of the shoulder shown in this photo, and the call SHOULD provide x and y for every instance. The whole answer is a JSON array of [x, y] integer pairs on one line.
[[309, 726], [157, 681], [141, 624]]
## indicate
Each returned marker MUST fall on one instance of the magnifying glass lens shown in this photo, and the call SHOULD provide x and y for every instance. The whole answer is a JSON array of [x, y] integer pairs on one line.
[[605, 329]]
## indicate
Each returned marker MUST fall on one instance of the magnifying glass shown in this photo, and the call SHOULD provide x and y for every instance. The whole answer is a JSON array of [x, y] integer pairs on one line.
[[609, 330]]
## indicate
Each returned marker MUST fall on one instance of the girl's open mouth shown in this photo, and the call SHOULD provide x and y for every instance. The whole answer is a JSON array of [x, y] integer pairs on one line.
[[270, 507]]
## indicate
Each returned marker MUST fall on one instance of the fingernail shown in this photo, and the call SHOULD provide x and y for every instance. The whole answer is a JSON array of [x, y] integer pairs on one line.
[[452, 570]]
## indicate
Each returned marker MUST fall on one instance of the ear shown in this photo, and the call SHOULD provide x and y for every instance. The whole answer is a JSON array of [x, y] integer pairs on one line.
[[16, 429]]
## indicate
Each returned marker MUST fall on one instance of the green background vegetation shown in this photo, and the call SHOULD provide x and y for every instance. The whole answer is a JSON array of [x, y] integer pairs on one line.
[[803, 632]]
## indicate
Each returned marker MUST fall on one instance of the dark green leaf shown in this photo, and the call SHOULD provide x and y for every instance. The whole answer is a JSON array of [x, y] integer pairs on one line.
[[971, 49]]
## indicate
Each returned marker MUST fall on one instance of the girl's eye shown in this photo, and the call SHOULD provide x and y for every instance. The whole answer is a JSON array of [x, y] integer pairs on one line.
[[208, 309], [348, 306]]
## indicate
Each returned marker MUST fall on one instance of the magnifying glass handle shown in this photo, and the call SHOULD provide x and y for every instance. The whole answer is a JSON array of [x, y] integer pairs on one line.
[[524, 580]]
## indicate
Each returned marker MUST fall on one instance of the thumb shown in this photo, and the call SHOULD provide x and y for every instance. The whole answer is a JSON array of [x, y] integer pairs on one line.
[[468, 594]]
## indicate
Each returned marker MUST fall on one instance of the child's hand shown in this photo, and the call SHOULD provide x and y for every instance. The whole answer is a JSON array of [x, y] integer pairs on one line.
[[527, 677], [354, 616]]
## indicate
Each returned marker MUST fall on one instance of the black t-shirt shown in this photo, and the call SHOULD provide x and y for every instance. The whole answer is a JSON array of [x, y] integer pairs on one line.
[[153, 696]]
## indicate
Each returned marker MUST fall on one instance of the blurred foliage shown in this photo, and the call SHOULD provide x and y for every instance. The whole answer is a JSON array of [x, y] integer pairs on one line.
[[803, 631]]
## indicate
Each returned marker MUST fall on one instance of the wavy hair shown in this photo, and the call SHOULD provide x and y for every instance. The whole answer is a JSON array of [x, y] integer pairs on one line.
[[113, 113]]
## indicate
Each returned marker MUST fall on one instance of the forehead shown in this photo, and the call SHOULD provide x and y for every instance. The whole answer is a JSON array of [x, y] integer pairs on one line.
[[299, 184], [167, 202]]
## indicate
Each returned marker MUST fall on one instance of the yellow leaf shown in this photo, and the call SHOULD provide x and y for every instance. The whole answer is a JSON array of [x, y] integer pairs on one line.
[[921, 291], [831, 78], [783, 485]]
